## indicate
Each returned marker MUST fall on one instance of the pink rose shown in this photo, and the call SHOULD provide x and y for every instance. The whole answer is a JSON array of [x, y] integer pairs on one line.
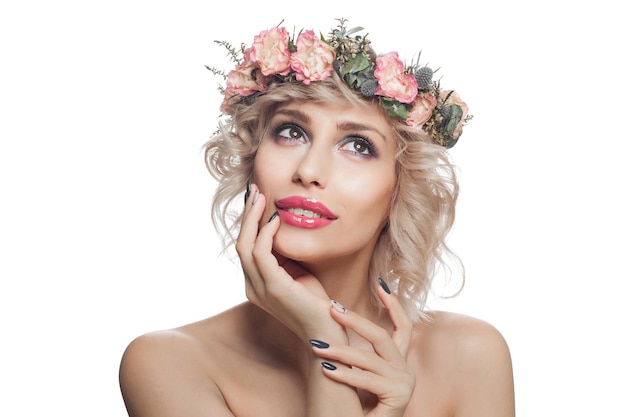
[[313, 59], [270, 50], [244, 80], [422, 110], [393, 82], [454, 98]]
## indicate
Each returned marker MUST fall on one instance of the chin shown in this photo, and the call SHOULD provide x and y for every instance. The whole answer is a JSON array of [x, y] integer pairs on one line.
[[297, 255], [299, 250]]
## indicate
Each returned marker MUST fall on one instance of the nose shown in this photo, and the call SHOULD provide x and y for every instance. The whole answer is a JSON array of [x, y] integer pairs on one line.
[[313, 167]]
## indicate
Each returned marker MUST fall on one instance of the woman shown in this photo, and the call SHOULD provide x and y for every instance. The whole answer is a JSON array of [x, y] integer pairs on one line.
[[348, 198]]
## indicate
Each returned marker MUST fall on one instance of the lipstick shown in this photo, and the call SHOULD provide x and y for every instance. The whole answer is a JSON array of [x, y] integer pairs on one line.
[[307, 213]]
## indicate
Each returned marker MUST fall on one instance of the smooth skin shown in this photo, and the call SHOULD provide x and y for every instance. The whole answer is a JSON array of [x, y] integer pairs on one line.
[[256, 359]]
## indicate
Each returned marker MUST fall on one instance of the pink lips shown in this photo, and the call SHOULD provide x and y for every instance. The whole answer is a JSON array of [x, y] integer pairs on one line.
[[304, 212]]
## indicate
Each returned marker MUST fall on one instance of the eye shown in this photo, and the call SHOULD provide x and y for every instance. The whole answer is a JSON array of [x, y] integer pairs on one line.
[[289, 133], [359, 146]]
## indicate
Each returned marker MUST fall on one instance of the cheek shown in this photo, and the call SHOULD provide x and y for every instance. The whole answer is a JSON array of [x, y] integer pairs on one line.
[[370, 195], [270, 173], [263, 162]]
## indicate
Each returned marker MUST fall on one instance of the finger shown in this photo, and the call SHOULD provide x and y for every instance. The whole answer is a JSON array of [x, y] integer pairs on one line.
[[402, 324], [254, 208], [251, 198], [392, 383], [352, 357], [250, 224], [378, 337], [276, 280], [393, 391], [264, 243]]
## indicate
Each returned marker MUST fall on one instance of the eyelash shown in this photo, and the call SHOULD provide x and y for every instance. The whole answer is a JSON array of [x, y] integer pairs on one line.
[[276, 132], [369, 146], [371, 149]]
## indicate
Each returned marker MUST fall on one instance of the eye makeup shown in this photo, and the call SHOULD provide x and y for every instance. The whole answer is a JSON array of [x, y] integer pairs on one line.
[[286, 128], [360, 145], [288, 133]]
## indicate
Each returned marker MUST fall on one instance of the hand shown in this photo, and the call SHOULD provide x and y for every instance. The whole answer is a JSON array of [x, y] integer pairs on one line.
[[384, 371], [277, 284]]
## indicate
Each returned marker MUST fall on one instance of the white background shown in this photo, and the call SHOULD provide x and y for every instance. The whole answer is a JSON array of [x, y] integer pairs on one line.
[[104, 200]]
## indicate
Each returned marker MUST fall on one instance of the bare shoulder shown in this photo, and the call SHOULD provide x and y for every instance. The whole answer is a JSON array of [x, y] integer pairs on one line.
[[167, 372], [473, 359], [463, 336]]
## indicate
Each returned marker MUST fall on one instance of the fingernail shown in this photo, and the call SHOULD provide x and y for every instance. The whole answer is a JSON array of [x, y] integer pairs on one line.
[[273, 216], [319, 344], [338, 307], [255, 196], [247, 194], [329, 366], [384, 285]]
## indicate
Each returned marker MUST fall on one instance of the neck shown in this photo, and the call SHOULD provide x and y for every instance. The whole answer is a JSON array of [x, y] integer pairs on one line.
[[345, 281]]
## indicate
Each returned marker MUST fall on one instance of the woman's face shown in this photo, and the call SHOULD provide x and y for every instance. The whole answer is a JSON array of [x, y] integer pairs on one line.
[[329, 171]]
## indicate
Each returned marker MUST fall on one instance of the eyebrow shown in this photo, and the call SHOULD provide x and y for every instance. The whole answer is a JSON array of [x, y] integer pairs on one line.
[[360, 126], [298, 115], [345, 126]]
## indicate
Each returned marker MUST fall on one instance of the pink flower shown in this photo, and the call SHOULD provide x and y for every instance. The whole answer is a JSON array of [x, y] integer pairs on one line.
[[454, 98], [270, 50], [244, 80], [313, 59], [422, 110], [393, 82]]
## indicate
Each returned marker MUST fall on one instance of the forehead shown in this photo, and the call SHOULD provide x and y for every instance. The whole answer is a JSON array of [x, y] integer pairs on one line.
[[342, 112]]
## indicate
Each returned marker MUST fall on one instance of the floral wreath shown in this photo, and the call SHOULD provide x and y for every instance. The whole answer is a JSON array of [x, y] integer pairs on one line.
[[408, 93]]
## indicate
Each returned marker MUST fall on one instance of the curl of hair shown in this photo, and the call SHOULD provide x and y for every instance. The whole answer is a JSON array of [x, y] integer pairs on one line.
[[412, 245], [413, 248]]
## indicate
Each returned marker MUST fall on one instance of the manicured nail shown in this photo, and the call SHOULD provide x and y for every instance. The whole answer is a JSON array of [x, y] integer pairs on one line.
[[255, 196], [329, 366], [384, 285], [319, 344], [338, 307], [273, 216], [247, 194]]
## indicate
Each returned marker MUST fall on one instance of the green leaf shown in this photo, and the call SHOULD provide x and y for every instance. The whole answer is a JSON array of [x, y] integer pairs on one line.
[[354, 30], [357, 63], [394, 108], [456, 113], [351, 80]]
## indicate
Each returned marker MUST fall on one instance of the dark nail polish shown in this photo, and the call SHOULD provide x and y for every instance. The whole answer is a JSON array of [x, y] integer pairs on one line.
[[254, 196], [329, 366], [318, 344], [273, 216], [384, 285], [247, 194]]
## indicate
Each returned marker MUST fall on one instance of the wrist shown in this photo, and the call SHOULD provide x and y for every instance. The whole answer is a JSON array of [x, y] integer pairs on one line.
[[332, 333]]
